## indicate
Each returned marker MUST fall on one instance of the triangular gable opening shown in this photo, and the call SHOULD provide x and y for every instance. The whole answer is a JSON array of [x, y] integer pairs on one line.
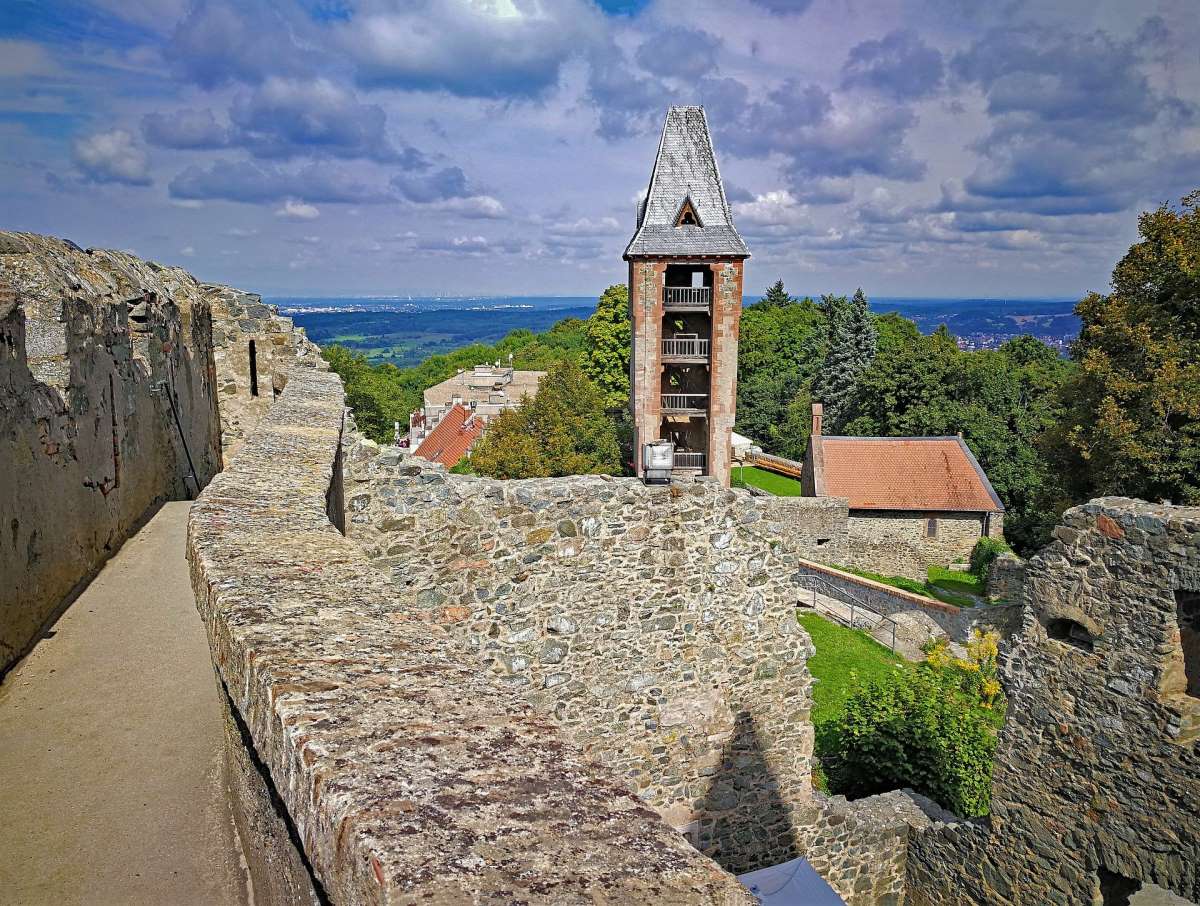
[[687, 215]]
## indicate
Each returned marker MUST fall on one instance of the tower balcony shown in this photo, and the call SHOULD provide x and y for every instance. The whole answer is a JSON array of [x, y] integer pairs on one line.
[[685, 403], [687, 298], [686, 349], [689, 460]]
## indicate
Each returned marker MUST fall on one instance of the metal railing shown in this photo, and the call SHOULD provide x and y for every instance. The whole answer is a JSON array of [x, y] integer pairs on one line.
[[859, 617], [685, 349], [687, 296], [685, 459], [684, 402]]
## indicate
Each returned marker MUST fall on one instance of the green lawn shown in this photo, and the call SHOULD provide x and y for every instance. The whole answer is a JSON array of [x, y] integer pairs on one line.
[[845, 659], [949, 585], [771, 482]]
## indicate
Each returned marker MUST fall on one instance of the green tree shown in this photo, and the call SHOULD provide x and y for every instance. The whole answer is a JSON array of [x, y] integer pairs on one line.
[[562, 429], [779, 351], [850, 352], [1133, 408], [606, 356], [776, 296]]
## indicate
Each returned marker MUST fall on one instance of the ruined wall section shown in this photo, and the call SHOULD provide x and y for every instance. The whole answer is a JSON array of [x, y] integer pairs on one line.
[[248, 332], [95, 346], [407, 774], [1099, 701], [655, 624]]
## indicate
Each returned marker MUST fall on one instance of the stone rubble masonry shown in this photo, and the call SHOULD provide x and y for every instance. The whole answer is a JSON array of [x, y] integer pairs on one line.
[[956, 622], [1006, 579], [238, 319], [895, 543], [655, 624], [408, 774], [88, 441], [1098, 763]]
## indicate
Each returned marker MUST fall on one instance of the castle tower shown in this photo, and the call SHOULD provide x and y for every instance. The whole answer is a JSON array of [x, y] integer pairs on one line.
[[685, 298]]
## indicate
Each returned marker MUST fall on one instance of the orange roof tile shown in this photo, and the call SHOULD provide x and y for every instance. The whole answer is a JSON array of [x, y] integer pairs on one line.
[[902, 473], [449, 442]]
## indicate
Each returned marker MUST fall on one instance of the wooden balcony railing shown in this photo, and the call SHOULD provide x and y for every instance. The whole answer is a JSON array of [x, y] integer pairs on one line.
[[686, 459], [685, 349], [687, 296], [684, 402]]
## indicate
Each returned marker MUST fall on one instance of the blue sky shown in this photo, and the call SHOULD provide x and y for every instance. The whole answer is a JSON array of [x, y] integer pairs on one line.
[[913, 147]]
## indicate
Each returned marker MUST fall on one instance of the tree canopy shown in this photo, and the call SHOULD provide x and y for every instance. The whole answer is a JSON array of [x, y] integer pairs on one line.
[[1132, 425], [563, 429], [606, 355]]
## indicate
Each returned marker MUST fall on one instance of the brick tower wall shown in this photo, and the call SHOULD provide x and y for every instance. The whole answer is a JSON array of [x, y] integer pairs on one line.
[[726, 316], [646, 312]]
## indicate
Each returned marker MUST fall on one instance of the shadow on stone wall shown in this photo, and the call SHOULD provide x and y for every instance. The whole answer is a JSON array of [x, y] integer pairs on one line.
[[745, 823]]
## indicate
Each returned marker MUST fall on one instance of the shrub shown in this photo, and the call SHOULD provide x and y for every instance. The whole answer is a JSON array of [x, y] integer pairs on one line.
[[932, 728], [984, 552]]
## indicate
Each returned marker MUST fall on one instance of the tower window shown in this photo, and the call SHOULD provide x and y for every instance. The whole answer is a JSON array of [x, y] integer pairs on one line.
[[1187, 608], [930, 528], [253, 370]]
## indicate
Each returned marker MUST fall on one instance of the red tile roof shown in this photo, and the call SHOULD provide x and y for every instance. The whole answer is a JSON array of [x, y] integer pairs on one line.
[[902, 473], [449, 442]]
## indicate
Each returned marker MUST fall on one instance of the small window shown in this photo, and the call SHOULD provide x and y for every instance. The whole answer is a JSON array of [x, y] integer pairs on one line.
[[687, 215], [1063, 630], [930, 528], [253, 370], [1187, 606]]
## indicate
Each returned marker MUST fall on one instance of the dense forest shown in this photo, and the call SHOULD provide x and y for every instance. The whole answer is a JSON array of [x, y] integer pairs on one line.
[[1121, 416]]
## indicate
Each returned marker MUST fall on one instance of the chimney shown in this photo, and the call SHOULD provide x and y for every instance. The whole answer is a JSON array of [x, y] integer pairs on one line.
[[818, 412]]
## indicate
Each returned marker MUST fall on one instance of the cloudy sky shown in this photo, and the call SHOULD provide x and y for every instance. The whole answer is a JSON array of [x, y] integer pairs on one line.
[[347, 147]]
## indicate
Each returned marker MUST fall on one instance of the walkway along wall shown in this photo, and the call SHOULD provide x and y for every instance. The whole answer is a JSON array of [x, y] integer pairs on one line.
[[1097, 777], [404, 773], [107, 409]]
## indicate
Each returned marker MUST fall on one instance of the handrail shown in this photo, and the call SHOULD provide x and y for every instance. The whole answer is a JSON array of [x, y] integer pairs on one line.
[[687, 459], [687, 296], [855, 603], [685, 401], [685, 348]]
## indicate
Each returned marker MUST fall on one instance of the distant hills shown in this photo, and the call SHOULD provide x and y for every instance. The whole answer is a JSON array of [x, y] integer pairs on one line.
[[406, 331]]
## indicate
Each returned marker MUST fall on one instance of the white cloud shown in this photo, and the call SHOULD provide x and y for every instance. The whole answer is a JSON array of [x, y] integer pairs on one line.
[[298, 210], [114, 157]]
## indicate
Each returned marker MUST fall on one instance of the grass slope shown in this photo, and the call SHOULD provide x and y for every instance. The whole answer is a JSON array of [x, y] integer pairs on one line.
[[949, 585], [845, 660], [771, 482]]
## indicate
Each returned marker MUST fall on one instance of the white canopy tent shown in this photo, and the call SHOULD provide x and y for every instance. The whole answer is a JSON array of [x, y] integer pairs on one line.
[[794, 883]]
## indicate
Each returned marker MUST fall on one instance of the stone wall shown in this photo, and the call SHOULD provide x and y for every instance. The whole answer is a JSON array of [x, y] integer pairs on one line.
[[1097, 776], [1006, 579], [655, 624], [240, 319], [406, 773], [726, 322], [107, 408], [895, 544], [957, 622]]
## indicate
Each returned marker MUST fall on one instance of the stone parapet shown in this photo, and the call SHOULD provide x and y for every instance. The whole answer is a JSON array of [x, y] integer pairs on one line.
[[655, 624], [407, 774]]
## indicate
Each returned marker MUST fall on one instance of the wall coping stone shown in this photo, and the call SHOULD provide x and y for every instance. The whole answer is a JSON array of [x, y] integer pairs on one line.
[[919, 600], [408, 775]]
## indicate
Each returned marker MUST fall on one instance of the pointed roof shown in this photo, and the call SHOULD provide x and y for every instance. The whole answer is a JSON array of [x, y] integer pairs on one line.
[[685, 169]]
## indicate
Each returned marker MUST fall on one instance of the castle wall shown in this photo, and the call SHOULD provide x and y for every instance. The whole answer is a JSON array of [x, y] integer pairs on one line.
[[655, 624], [404, 772], [239, 320], [91, 344], [895, 543], [1097, 774]]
